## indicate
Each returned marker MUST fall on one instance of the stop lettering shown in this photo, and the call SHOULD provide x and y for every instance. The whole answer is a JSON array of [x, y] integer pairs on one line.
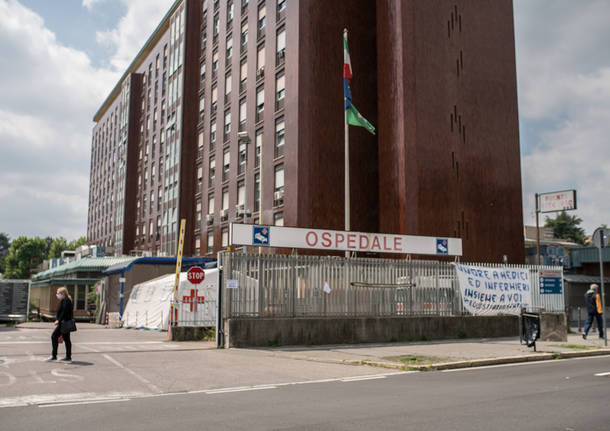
[[195, 275]]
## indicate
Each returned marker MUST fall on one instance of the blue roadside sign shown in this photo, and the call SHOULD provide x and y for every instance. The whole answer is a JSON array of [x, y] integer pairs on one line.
[[550, 281]]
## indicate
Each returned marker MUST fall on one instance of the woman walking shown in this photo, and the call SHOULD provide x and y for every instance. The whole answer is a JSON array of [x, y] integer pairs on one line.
[[64, 314]]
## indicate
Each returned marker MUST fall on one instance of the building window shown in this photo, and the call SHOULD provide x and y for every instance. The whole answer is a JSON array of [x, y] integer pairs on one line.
[[243, 75], [230, 12], [260, 61], [227, 124], [198, 214], [212, 171], [210, 242], [281, 47], [259, 146], [262, 19], [242, 157], [278, 190], [214, 63], [201, 107], [225, 198], [279, 137], [228, 86], [216, 26], [214, 99], [244, 34], [213, 132], [241, 193], [260, 103], [280, 91], [281, 6], [242, 114], [197, 246], [257, 192], [229, 48], [226, 164], [278, 219], [225, 237], [202, 71], [211, 203]]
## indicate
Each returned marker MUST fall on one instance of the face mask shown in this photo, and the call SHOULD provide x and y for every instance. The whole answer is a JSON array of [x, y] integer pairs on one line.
[[59, 296]]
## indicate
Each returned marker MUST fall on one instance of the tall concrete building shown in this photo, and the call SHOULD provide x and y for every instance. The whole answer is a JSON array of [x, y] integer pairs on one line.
[[232, 112]]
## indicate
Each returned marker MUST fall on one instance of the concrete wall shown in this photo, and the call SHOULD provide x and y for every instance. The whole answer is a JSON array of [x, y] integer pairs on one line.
[[308, 331], [553, 327], [192, 333]]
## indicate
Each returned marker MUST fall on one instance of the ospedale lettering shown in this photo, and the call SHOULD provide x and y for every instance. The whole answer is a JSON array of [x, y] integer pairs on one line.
[[354, 241]]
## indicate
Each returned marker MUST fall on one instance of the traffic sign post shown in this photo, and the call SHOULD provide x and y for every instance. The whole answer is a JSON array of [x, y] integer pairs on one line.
[[563, 200], [600, 238]]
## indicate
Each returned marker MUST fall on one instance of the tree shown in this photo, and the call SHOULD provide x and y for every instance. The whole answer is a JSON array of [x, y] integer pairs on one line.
[[4, 246], [57, 246], [566, 227], [73, 245], [24, 254]]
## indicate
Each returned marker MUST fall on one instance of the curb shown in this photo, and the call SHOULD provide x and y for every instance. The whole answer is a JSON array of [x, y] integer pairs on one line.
[[460, 364]]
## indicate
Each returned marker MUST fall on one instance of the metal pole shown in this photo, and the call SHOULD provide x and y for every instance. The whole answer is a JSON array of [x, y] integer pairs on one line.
[[601, 279], [121, 294], [537, 233], [245, 220], [347, 197]]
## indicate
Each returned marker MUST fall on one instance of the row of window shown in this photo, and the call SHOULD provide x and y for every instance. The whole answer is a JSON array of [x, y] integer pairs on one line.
[[278, 220]]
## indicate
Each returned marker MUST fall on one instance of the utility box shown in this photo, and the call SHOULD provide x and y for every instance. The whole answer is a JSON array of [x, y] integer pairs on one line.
[[14, 300]]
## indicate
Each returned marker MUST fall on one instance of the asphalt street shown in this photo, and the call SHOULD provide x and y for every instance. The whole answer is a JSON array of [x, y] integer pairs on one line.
[[282, 394], [115, 363]]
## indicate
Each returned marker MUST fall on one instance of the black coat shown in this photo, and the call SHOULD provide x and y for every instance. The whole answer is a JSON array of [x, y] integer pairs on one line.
[[64, 310]]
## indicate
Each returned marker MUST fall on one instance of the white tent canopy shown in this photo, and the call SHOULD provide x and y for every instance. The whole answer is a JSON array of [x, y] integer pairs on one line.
[[149, 302]]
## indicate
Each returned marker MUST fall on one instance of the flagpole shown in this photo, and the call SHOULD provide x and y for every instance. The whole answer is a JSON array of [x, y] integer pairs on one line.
[[347, 197]]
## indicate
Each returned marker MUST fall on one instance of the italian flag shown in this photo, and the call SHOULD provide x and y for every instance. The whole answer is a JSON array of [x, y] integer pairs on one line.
[[352, 116]]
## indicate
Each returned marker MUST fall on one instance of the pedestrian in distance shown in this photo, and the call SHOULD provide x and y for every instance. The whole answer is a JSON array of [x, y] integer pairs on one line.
[[594, 310], [64, 322]]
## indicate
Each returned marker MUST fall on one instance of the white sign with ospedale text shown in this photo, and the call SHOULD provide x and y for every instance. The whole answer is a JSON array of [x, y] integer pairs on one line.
[[557, 201], [322, 239]]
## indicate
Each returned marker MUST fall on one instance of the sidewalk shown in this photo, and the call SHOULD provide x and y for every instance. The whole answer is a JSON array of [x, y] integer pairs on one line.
[[434, 355]]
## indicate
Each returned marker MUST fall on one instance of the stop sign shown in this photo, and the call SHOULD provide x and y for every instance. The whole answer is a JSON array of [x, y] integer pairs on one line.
[[195, 275]]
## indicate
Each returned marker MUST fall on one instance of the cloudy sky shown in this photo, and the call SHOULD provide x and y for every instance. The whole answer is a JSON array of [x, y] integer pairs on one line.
[[61, 58]]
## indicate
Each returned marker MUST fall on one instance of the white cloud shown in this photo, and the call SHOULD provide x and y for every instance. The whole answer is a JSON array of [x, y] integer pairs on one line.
[[564, 103], [133, 29], [90, 4], [49, 95]]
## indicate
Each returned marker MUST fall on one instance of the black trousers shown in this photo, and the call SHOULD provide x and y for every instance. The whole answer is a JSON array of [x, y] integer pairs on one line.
[[55, 341]]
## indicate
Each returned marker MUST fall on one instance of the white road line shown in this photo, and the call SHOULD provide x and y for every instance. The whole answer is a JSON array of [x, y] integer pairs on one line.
[[242, 389], [91, 349], [361, 378], [89, 342], [602, 374], [133, 373], [517, 364], [91, 398], [80, 403]]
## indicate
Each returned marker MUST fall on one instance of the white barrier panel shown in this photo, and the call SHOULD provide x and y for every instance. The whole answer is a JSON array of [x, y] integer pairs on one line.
[[490, 291], [149, 302]]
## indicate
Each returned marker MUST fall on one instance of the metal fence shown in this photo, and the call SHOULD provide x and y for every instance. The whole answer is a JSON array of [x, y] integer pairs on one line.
[[297, 286], [194, 312]]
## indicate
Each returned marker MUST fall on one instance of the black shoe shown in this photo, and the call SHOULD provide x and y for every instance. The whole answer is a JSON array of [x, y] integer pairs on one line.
[[66, 359], [584, 336], [51, 358]]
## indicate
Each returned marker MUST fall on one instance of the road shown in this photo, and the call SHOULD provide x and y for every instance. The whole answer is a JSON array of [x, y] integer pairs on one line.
[[554, 395]]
